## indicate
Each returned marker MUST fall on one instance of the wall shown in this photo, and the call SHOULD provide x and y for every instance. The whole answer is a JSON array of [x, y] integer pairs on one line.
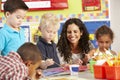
[[94, 18], [74, 10], [115, 23]]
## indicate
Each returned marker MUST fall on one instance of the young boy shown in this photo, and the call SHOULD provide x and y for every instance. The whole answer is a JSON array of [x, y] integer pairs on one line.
[[49, 26], [21, 65], [12, 35]]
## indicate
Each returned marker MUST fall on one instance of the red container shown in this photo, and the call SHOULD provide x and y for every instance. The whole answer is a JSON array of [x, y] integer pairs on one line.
[[112, 72], [99, 71]]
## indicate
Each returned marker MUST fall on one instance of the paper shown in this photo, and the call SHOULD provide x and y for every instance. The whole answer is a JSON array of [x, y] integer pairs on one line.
[[54, 71]]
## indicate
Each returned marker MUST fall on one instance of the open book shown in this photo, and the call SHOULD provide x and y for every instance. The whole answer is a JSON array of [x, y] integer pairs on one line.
[[56, 71]]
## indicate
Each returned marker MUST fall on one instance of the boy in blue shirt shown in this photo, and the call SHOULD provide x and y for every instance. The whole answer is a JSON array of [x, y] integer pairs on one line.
[[12, 35]]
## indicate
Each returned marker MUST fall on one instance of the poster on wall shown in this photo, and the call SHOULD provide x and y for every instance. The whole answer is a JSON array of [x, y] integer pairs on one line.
[[34, 4], [91, 5], [43, 4]]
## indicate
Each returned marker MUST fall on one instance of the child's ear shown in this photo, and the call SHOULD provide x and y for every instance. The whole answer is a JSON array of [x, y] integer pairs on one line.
[[7, 14], [28, 63]]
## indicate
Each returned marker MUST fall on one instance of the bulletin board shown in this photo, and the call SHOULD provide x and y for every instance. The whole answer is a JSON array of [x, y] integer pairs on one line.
[[43, 4], [91, 27], [91, 5], [27, 33]]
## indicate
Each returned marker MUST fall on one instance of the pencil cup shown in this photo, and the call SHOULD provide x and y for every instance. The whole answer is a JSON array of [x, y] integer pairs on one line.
[[74, 69]]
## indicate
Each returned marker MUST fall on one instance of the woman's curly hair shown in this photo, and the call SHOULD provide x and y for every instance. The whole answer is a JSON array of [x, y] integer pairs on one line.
[[64, 45]]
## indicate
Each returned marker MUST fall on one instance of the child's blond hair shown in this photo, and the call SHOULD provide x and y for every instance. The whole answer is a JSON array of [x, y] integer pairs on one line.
[[49, 20]]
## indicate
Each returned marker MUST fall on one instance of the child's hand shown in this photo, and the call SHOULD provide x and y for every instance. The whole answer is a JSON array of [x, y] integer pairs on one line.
[[38, 74], [46, 63], [49, 62]]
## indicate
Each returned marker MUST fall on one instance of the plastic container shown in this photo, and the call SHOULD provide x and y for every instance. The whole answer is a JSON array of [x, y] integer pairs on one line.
[[92, 62], [74, 69], [112, 72], [99, 71]]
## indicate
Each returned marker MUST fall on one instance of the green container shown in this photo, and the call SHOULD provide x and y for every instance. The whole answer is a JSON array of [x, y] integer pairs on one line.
[[92, 62]]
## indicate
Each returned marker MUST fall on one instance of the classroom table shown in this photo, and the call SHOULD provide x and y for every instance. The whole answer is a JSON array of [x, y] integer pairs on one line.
[[84, 75]]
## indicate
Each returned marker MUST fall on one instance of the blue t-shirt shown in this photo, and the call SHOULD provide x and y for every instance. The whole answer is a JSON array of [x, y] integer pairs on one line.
[[10, 40]]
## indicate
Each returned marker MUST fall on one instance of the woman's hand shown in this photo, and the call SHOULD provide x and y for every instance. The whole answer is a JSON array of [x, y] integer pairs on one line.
[[77, 61], [65, 66], [86, 59]]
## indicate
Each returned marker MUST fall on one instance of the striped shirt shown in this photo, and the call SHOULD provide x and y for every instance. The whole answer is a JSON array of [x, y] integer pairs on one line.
[[12, 67]]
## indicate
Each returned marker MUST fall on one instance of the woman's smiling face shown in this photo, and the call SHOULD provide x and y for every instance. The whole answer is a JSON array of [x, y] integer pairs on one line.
[[73, 33]]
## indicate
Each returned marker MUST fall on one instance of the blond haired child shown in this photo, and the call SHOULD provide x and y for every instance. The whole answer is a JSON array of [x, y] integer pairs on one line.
[[49, 25]]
